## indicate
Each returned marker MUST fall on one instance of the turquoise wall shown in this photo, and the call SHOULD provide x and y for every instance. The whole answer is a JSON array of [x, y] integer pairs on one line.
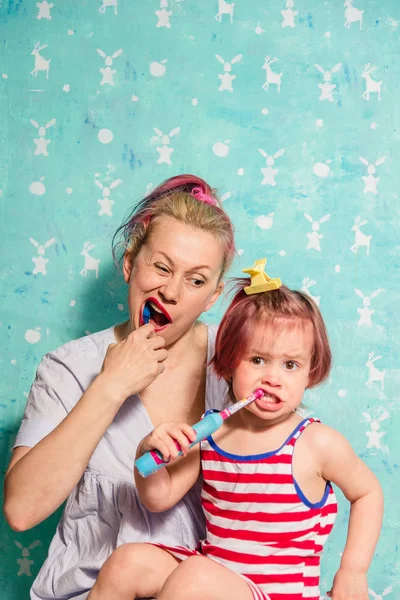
[[99, 103]]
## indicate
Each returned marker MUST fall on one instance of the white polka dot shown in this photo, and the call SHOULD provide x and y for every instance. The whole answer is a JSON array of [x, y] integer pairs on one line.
[[327, 34], [321, 169], [342, 393], [259, 30], [72, 303], [120, 307], [282, 252], [337, 268], [71, 32], [264, 111], [240, 251], [66, 88], [221, 148], [135, 98], [374, 125], [37, 188], [264, 221], [319, 122], [240, 171], [32, 336], [158, 69], [13, 361], [194, 102], [5, 76], [105, 136]]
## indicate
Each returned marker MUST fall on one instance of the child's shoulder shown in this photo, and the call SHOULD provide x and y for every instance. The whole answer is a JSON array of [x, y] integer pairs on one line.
[[323, 438]]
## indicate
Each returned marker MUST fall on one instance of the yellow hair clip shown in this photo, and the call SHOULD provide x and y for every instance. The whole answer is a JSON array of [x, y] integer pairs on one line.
[[260, 282]]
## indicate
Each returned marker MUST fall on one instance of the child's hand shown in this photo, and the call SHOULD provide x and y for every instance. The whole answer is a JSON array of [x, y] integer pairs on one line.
[[165, 438], [349, 585]]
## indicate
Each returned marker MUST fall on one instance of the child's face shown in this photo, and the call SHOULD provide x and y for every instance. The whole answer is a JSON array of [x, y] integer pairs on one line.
[[278, 362]]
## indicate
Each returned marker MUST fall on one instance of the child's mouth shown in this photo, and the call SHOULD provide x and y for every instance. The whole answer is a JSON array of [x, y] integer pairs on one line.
[[269, 402], [154, 313]]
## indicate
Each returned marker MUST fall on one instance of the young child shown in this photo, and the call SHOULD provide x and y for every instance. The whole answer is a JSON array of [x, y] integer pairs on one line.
[[267, 495]]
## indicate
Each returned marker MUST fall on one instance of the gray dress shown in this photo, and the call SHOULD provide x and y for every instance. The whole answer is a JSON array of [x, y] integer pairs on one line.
[[103, 511]]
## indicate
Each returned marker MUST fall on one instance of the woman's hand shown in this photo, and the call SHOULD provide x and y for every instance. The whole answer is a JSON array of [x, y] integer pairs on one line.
[[131, 365], [166, 438], [349, 585]]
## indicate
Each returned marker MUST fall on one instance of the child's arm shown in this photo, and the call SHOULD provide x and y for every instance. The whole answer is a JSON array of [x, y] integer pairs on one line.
[[339, 464], [164, 488]]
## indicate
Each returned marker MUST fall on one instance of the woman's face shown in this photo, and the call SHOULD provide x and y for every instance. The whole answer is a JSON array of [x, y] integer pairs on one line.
[[176, 275]]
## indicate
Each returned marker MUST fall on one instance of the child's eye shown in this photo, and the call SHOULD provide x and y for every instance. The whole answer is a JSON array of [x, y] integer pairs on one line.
[[257, 360], [291, 365]]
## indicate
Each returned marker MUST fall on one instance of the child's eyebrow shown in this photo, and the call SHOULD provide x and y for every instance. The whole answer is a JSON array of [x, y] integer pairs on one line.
[[292, 355]]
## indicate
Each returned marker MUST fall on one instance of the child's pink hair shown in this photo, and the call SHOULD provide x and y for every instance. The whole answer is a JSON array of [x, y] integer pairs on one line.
[[178, 198], [277, 308]]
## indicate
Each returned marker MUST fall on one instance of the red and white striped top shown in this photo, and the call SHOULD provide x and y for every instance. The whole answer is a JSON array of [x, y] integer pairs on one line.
[[260, 524]]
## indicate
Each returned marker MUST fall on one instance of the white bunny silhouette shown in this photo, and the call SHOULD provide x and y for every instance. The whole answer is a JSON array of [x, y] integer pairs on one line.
[[163, 15], [41, 142], [39, 261], [306, 284], [268, 172], [165, 151], [24, 562], [371, 182], [106, 203], [327, 87], [314, 237], [226, 78], [44, 10], [374, 435], [365, 312], [380, 596], [289, 14], [108, 73]]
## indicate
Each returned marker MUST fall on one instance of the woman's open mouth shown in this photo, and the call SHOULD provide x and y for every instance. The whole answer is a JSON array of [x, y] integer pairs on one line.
[[154, 313]]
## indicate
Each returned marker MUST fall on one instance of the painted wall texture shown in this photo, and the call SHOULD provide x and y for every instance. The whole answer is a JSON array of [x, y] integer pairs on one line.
[[290, 108]]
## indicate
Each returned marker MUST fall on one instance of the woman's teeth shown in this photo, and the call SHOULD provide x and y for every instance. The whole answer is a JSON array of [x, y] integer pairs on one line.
[[155, 307]]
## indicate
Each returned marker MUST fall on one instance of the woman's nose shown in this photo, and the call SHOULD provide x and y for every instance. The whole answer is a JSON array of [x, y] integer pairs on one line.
[[170, 292]]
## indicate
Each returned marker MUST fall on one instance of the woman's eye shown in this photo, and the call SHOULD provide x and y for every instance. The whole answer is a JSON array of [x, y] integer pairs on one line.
[[197, 282], [162, 268], [291, 365]]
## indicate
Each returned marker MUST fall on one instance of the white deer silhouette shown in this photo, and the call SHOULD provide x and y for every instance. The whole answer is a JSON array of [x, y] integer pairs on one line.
[[352, 14], [41, 64], [306, 284], [91, 264], [271, 76], [361, 238], [39, 261], [24, 562], [327, 87], [374, 435], [268, 172], [165, 151], [371, 182], [41, 142], [224, 9], [380, 596], [289, 14], [107, 3], [106, 203], [226, 78], [314, 237], [374, 373], [372, 85], [108, 73], [366, 312]]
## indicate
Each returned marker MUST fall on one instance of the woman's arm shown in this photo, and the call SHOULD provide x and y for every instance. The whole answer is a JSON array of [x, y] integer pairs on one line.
[[164, 488], [39, 479], [343, 467]]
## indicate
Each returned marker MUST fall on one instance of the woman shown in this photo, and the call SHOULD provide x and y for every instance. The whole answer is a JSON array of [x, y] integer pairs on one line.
[[84, 415]]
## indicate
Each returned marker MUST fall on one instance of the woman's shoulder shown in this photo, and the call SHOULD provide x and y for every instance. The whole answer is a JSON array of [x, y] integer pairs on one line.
[[95, 343]]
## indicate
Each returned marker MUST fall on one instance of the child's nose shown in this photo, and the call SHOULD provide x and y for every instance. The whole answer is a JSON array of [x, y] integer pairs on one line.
[[271, 376]]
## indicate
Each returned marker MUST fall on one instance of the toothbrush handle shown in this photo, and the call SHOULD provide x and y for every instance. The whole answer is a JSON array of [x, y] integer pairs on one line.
[[152, 461]]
